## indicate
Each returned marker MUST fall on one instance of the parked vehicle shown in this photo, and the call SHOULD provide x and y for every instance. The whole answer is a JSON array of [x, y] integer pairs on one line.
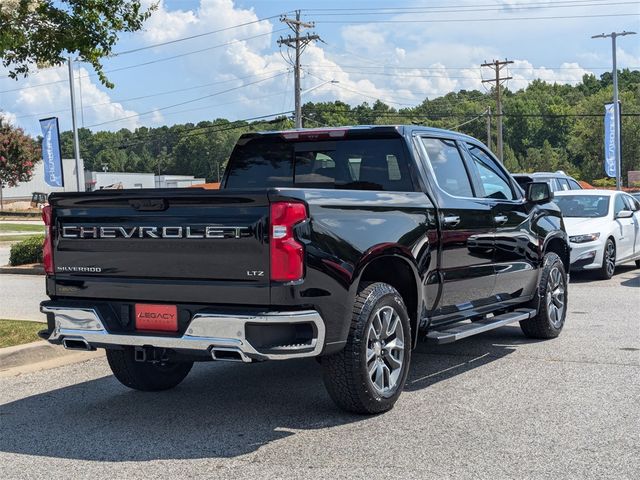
[[603, 228], [341, 244], [558, 181]]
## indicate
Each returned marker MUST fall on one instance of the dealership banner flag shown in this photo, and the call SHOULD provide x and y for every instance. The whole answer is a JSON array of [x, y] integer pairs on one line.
[[610, 146], [51, 155]]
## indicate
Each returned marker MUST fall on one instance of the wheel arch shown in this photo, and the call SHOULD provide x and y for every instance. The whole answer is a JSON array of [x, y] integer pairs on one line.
[[559, 245], [394, 266]]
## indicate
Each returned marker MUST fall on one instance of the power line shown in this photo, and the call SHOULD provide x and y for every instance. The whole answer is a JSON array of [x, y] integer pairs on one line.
[[467, 20], [190, 37], [167, 92], [210, 129], [449, 6], [458, 9], [147, 63], [342, 87], [185, 102]]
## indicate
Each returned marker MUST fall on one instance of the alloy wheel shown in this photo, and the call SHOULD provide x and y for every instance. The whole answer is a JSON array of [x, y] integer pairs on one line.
[[610, 258], [385, 350], [556, 289]]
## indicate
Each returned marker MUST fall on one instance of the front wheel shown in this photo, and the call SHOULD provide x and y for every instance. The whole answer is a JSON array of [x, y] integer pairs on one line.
[[368, 375], [551, 303], [146, 376], [608, 261]]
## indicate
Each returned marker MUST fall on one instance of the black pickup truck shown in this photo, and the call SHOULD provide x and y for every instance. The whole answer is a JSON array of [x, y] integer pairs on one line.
[[345, 244]]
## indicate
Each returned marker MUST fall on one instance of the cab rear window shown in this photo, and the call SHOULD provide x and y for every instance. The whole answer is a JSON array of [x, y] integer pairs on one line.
[[356, 164]]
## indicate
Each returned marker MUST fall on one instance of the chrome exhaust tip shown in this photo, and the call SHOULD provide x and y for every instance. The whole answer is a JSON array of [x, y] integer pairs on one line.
[[77, 344], [229, 355]]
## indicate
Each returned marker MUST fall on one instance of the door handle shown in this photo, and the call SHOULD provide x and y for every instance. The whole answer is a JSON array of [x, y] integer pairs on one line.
[[500, 219], [451, 220]]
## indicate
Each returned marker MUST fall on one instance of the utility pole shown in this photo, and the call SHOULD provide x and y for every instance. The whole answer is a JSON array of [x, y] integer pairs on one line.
[[76, 142], [488, 113], [497, 66], [298, 43], [616, 107]]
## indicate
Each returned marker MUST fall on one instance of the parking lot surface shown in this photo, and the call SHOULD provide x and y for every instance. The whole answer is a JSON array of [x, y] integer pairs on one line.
[[492, 406]]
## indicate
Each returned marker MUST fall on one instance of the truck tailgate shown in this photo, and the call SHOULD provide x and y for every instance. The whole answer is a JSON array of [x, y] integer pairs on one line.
[[162, 245]]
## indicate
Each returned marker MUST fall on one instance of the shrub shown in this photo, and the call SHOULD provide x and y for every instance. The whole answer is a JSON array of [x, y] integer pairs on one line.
[[27, 251], [604, 182]]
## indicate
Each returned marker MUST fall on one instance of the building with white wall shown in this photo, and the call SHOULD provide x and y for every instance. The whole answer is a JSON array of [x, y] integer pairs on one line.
[[37, 184], [99, 180], [177, 181]]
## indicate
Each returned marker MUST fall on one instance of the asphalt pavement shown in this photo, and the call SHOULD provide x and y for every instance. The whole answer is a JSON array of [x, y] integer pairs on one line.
[[494, 406], [20, 297]]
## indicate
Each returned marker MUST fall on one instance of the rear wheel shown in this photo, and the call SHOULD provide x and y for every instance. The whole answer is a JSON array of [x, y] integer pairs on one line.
[[551, 303], [608, 260], [146, 376], [368, 375]]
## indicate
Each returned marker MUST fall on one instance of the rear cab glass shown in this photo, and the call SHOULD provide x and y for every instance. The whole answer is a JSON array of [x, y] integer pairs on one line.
[[346, 163]]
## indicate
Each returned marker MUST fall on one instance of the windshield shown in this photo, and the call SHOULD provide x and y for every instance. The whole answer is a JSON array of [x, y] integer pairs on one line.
[[583, 206]]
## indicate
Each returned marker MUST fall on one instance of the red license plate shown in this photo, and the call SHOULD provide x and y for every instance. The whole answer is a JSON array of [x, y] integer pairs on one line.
[[157, 317]]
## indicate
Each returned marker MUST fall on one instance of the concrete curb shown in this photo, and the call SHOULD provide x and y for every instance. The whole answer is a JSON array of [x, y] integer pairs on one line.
[[35, 352], [31, 269]]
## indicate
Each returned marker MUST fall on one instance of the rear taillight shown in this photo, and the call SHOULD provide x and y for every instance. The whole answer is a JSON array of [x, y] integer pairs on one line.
[[47, 246], [287, 254]]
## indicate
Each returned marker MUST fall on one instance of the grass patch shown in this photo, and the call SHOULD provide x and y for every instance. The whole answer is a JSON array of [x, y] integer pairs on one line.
[[18, 227], [15, 332], [6, 240]]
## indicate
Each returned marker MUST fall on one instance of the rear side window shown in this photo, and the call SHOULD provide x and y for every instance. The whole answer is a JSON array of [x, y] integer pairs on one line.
[[356, 164], [573, 184], [448, 167], [564, 185]]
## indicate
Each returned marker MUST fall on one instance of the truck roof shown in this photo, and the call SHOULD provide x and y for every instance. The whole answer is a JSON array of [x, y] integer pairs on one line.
[[364, 130]]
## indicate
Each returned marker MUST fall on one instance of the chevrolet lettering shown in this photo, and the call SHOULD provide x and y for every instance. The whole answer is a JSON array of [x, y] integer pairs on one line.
[[346, 244], [169, 231]]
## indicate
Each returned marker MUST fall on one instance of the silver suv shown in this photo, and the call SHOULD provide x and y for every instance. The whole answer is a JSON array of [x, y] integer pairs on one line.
[[559, 181]]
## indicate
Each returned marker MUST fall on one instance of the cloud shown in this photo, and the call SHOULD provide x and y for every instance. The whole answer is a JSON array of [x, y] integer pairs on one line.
[[47, 94], [8, 117], [523, 71]]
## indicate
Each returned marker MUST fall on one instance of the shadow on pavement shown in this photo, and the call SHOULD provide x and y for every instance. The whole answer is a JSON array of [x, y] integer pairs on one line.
[[587, 276], [220, 410]]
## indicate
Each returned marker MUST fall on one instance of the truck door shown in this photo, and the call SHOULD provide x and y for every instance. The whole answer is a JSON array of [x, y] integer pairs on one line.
[[515, 246], [466, 261]]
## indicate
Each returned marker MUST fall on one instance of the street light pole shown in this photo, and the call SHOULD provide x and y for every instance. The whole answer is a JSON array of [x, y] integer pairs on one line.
[[616, 107], [76, 142]]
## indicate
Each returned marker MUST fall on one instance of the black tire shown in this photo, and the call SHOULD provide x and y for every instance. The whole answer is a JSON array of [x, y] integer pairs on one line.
[[550, 318], [637, 263], [146, 376], [608, 267], [346, 374]]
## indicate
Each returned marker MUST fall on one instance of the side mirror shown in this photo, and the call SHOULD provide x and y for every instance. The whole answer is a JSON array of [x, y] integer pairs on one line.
[[539, 192], [624, 214]]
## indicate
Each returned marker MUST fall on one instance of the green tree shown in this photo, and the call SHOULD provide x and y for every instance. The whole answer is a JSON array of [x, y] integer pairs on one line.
[[18, 155], [42, 32]]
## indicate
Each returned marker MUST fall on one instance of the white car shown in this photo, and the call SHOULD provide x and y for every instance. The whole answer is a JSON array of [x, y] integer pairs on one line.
[[603, 228]]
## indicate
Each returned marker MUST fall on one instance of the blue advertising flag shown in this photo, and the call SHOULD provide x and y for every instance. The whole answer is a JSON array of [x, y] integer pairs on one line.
[[51, 155], [610, 146]]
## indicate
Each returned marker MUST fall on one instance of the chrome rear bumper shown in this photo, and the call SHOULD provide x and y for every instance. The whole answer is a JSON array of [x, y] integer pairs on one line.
[[213, 333]]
